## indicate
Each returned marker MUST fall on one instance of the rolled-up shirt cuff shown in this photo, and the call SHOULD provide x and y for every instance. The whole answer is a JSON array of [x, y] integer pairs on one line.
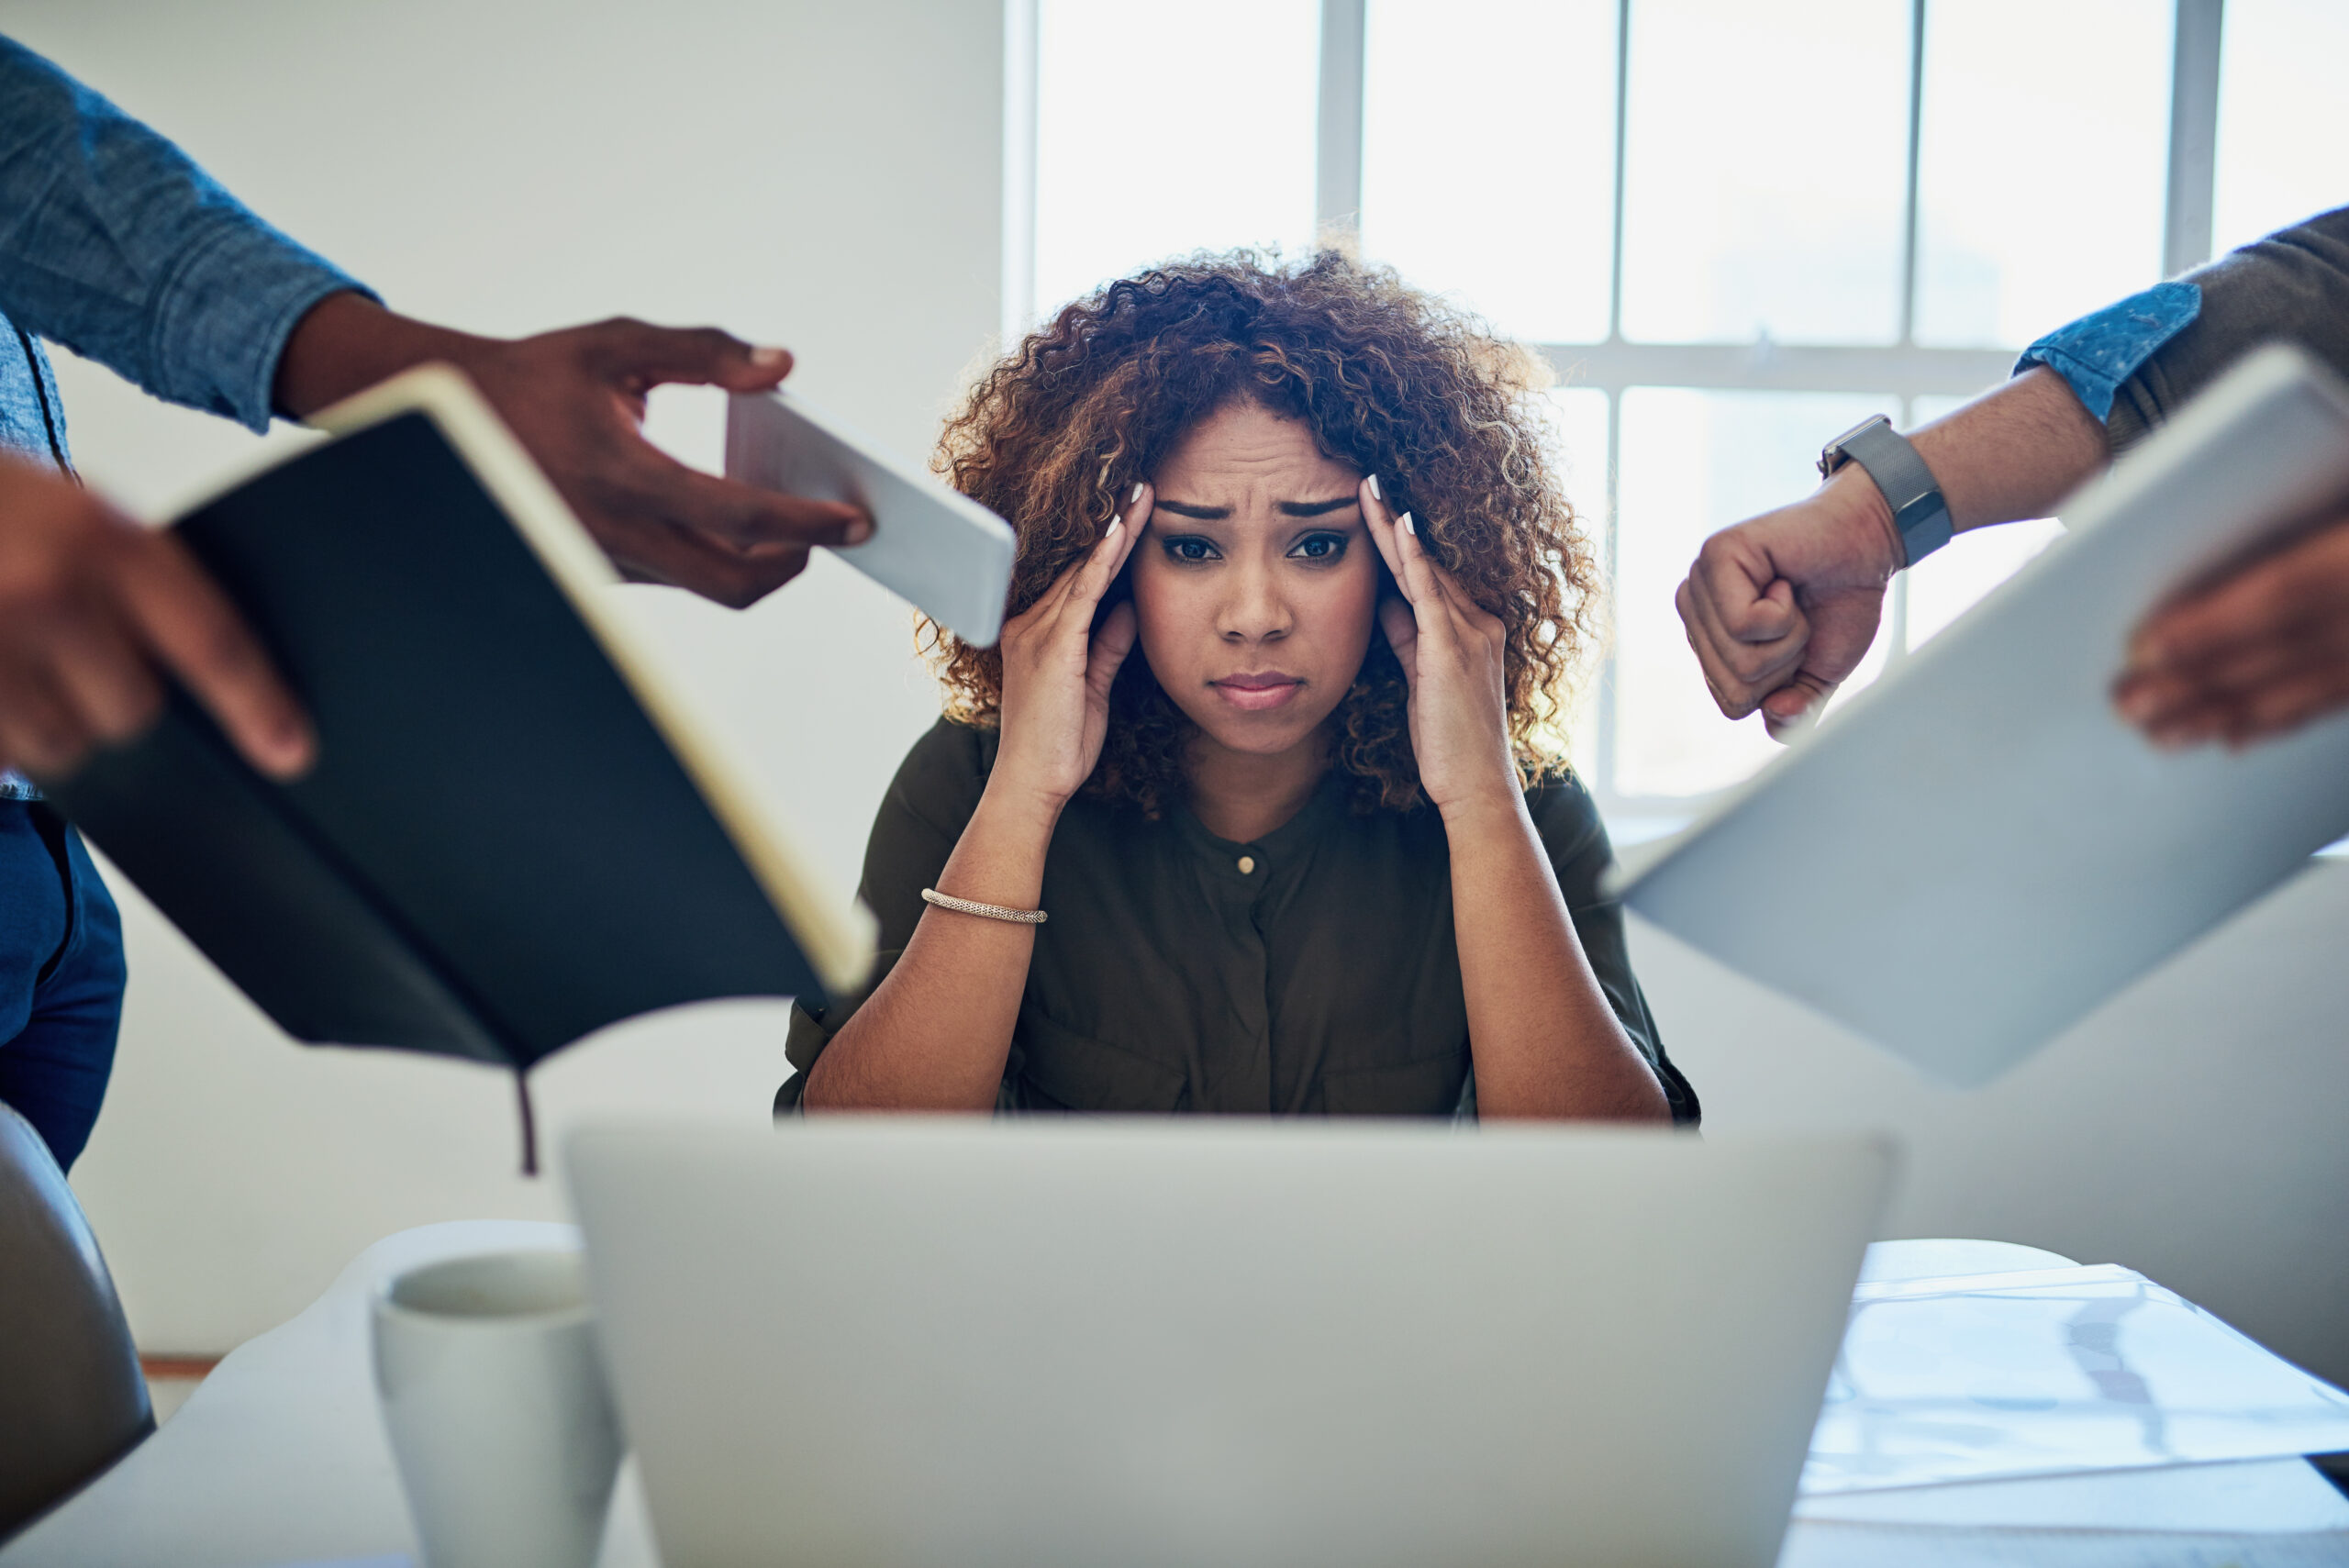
[[2101, 350], [226, 312]]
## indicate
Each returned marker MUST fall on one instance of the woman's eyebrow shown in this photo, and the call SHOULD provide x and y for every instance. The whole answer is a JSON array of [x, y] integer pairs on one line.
[[1286, 508]]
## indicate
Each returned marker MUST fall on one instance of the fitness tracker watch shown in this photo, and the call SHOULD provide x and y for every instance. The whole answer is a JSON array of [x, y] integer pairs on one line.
[[1919, 516]]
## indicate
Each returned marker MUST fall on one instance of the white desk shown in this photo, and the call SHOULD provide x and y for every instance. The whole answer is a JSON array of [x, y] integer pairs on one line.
[[279, 1458]]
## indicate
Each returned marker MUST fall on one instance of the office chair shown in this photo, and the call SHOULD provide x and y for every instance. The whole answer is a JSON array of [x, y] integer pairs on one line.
[[71, 1399]]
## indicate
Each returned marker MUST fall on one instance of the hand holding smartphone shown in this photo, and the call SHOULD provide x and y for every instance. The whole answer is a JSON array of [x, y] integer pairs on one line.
[[941, 549]]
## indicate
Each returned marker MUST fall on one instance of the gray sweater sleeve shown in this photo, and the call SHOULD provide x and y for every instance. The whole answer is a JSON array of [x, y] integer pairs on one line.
[[2294, 285]]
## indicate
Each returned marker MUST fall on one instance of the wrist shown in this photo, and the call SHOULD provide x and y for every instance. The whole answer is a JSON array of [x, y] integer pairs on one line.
[[1496, 806], [347, 342], [1012, 806], [1859, 515]]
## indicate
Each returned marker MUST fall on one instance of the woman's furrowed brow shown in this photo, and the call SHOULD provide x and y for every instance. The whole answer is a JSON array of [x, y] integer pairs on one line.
[[1286, 508]]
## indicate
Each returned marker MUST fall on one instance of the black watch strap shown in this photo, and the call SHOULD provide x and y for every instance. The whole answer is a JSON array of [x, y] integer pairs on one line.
[[1919, 513]]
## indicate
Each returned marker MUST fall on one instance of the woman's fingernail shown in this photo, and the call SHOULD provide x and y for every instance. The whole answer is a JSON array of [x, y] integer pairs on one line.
[[1409, 526], [1377, 494], [1116, 520], [767, 359], [860, 530], [1136, 494]]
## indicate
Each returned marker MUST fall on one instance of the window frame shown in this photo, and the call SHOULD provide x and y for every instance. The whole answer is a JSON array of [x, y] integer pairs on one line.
[[1615, 364]]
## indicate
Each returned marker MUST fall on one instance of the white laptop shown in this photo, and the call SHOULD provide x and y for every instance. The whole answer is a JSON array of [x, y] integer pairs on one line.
[[951, 1342], [1978, 851]]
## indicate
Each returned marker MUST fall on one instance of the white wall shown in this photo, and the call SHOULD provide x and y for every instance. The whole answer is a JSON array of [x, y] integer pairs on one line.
[[508, 165]]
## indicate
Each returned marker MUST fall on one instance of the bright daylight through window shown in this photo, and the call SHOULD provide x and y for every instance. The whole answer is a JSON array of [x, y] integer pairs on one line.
[[1735, 230]]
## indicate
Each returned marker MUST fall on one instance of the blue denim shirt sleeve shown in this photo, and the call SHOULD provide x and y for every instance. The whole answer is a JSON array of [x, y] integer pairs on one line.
[[2101, 349], [114, 243]]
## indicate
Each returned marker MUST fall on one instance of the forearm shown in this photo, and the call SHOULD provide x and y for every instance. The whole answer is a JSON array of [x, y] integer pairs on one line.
[[347, 342], [2013, 453], [935, 1034], [116, 245], [1543, 1039]]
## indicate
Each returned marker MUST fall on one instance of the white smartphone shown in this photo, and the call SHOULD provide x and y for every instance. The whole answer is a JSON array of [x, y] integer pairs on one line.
[[941, 549]]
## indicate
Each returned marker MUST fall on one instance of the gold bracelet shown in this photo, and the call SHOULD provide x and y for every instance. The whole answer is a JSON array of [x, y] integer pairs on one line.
[[985, 911]]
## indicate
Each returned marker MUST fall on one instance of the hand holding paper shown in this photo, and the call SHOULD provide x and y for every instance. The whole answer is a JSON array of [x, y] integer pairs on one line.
[[575, 399], [2258, 655]]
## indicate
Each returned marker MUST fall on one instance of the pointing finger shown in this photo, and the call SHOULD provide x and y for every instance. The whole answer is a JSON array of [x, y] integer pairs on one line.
[[694, 356], [38, 731], [741, 514], [98, 669], [195, 632]]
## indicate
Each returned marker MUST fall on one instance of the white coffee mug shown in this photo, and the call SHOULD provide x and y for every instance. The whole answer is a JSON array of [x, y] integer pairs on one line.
[[494, 1399]]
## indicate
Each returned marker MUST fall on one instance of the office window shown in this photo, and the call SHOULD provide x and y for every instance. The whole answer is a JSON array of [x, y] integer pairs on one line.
[[2041, 177], [1153, 139], [1688, 460], [1487, 164], [1764, 147], [2283, 149], [1733, 229]]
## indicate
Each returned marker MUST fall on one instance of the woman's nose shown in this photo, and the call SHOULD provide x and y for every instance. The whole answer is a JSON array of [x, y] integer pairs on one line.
[[1254, 610]]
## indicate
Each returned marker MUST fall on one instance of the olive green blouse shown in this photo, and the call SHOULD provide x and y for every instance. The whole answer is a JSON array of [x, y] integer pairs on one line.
[[1310, 971]]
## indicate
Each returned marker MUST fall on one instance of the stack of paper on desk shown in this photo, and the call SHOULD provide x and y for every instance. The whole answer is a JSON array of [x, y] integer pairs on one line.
[[2048, 1371]]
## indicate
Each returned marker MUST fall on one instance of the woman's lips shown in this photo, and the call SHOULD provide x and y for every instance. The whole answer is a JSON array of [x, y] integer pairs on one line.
[[1253, 693]]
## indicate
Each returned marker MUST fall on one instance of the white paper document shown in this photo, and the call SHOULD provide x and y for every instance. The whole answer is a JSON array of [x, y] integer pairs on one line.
[[2054, 1371], [1979, 851]]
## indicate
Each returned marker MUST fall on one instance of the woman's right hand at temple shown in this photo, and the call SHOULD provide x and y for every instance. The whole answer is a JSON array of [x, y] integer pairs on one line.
[[1057, 668], [936, 1032]]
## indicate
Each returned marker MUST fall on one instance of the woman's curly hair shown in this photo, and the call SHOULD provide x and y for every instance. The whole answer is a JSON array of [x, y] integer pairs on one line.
[[1390, 379]]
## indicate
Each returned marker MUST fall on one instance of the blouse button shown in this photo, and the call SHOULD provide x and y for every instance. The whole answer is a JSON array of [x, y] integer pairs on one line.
[[1247, 865]]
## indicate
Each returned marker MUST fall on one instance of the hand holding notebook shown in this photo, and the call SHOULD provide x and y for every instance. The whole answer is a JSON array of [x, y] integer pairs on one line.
[[517, 831]]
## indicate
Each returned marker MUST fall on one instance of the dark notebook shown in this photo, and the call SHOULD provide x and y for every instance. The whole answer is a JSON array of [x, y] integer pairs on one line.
[[513, 835]]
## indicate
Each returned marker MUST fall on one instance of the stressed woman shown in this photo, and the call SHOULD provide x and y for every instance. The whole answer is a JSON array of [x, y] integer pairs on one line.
[[1257, 805]]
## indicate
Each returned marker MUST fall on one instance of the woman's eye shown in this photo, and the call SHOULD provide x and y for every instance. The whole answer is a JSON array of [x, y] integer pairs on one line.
[[1320, 547], [1189, 549]]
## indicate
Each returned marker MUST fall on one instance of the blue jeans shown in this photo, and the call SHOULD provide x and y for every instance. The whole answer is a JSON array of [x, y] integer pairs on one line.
[[60, 977]]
